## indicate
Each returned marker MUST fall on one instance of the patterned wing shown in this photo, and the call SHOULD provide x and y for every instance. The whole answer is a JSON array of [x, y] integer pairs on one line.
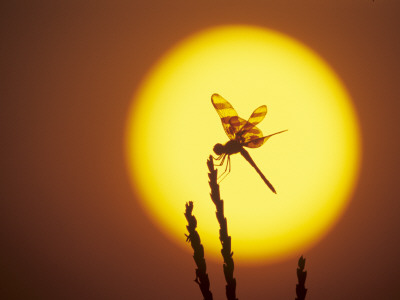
[[252, 133], [256, 117], [225, 112], [236, 124], [255, 142]]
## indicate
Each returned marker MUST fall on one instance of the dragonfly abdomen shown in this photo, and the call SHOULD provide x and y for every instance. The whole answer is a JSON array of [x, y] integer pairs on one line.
[[247, 156]]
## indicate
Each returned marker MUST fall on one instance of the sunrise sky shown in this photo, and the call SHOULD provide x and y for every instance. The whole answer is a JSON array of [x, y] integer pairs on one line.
[[71, 224]]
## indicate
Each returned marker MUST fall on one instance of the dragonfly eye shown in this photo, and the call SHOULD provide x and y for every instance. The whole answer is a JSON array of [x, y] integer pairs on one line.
[[218, 149]]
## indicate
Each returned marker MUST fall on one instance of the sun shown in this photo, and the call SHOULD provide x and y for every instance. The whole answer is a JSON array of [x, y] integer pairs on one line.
[[172, 128]]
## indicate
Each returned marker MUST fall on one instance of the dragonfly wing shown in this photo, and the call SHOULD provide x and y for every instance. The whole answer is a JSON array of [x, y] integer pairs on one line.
[[256, 117], [255, 142], [236, 124], [248, 130], [251, 134], [225, 111]]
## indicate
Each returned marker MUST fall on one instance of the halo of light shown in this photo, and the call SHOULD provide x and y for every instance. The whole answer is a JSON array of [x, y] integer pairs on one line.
[[172, 127]]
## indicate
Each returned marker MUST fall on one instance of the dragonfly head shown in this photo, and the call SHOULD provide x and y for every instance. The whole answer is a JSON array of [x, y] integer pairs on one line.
[[218, 149]]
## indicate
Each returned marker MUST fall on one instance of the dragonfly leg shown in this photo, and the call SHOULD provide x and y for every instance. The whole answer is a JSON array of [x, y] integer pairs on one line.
[[222, 158], [227, 170], [218, 157]]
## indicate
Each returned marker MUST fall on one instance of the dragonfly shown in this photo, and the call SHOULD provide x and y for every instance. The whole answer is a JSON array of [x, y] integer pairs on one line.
[[241, 133]]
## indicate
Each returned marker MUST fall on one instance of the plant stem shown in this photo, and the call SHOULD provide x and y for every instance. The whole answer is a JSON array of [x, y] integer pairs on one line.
[[198, 256], [301, 290], [223, 232]]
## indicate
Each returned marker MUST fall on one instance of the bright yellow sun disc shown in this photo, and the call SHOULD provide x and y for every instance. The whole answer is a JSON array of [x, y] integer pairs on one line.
[[172, 128]]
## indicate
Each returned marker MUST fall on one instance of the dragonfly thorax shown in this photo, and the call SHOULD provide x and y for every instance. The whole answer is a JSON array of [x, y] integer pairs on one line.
[[229, 148]]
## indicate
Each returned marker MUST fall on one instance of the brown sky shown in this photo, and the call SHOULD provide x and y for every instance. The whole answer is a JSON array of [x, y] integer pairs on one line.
[[70, 225]]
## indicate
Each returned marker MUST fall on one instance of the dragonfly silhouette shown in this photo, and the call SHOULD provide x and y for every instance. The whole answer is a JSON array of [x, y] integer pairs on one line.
[[241, 133]]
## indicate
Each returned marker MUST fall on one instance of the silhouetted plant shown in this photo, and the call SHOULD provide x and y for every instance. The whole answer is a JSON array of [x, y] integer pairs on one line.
[[201, 275], [223, 232], [301, 290], [198, 256]]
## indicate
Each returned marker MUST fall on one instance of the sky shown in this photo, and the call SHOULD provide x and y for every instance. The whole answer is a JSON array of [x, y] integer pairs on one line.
[[71, 225]]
